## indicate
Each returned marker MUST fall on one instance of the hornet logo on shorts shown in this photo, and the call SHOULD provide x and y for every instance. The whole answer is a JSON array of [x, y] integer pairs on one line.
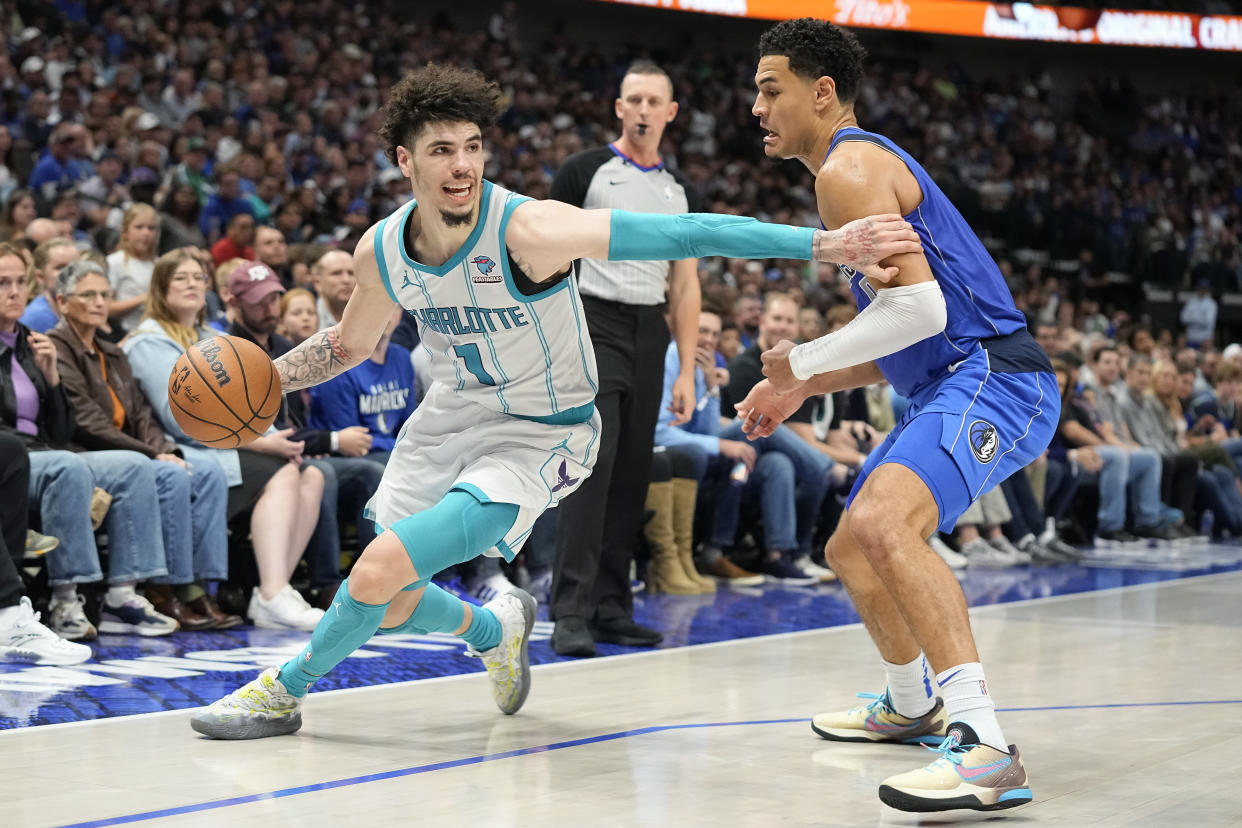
[[563, 480], [983, 441], [485, 266]]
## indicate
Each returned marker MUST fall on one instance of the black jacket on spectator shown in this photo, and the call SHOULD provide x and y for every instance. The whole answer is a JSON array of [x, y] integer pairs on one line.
[[293, 410], [745, 372], [56, 422]]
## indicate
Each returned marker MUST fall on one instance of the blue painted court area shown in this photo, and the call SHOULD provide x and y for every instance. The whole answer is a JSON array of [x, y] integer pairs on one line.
[[131, 675]]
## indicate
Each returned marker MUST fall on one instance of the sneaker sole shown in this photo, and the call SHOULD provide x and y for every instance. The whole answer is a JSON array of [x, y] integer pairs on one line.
[[240, 728], [528, 612], [913, 803], [121, 628], [834, 735]]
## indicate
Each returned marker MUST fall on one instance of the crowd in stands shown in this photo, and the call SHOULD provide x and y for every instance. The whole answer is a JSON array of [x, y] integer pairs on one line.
[[169, 171]]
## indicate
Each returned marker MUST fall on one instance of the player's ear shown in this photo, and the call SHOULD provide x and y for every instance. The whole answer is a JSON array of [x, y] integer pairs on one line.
[[825, 92], [403, 160]]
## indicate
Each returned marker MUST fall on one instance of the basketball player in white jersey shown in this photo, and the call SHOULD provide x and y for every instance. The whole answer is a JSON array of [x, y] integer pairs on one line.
[[508, 426]]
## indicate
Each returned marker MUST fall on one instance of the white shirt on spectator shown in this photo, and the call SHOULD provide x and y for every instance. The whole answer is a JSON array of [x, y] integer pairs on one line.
[[130, 277], [1199, 317]]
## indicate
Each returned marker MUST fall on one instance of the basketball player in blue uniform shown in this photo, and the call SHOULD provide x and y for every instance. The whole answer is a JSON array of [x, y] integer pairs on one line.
[[508, 426], [984, 403]]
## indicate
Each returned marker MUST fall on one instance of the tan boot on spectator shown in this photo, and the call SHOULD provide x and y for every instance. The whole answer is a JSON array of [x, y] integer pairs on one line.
[[665, 572], [101, 501], [685, 492]]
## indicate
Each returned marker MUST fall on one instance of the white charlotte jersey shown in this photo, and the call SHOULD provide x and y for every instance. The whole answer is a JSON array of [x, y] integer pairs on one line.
[[524, 355]]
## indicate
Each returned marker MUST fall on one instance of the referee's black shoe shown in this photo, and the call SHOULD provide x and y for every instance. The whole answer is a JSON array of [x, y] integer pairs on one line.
[[571, 637], [625, 631]]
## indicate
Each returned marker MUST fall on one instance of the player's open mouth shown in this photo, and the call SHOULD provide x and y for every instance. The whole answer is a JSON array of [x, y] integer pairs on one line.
[[459, 194], [770, 138]]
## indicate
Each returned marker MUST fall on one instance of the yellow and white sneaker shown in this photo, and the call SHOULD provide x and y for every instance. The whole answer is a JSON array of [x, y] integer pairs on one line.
[[877, 721], [508, 663], [259, 709], [966, 775]]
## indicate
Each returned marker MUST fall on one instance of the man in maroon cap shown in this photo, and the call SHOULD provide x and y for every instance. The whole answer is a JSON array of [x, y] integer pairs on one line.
[[255, 292]]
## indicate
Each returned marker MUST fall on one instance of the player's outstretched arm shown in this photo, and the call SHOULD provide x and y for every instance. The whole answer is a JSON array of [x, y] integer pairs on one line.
[[332, 351], [765, 408], [547, 235]]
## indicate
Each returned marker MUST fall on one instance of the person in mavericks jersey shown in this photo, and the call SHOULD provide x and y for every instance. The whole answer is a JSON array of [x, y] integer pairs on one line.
[[508, 426], [983, 404]]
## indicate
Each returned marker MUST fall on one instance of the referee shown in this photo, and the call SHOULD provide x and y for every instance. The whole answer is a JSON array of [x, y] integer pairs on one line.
[[625, 305]]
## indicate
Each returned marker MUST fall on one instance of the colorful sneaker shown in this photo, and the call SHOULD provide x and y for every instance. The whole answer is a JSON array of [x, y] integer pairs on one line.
[[508, 663], [135, 616], [68, 620], [966, 775], [260, 709], [29, 642], [878, 722]]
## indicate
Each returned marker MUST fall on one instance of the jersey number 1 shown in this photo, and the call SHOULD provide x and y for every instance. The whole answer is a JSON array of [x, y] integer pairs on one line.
[[474, 363]]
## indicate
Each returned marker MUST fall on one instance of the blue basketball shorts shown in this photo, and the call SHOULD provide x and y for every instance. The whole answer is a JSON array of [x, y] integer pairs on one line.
[[969, 432]]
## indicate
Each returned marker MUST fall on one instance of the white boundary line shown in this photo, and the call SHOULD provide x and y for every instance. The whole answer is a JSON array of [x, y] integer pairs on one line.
[[586, 662]]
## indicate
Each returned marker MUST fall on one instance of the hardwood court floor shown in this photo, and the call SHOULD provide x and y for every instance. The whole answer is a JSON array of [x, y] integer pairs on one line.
[[1126, 704]]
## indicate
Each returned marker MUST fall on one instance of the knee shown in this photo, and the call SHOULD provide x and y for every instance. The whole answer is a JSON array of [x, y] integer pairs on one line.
[[312, 479], [773, 465], [875, 528], [381, 570]]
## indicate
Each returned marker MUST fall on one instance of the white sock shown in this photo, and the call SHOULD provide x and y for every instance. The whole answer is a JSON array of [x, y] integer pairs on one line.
[[1050, 530], [64, 593], [119, 594], [966, 699], [8, 616], [910, 687]]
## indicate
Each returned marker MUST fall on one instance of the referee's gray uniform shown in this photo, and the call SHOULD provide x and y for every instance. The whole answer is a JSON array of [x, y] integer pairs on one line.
[[598, 525]]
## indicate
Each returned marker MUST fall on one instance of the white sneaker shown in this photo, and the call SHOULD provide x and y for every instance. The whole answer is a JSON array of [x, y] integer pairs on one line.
[[489, 586], [29, 642], [981, 553], [254, 711], [823, 573], [955, 560], [287, 611], [1001, 544], [68, 620], [508, 663]]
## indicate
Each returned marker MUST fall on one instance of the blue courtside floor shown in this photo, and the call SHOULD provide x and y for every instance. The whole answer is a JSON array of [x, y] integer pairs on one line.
[[130, 675]]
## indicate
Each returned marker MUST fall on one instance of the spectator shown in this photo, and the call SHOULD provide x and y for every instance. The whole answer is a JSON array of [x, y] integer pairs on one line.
[[747, 311], [130, 267], [111, 413], [265, 478], [223, 205], [36, 406], [19, 211], [271, 249], [58, 170], [298, 315], [22, 637], [334, 281], [192, 171], [1199, 316], [49, 258], [179, 220], [236, 244], [102, 197], [980, 536]]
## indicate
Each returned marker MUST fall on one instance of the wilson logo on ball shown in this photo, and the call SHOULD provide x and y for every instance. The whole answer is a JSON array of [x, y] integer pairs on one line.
[[211, 353]]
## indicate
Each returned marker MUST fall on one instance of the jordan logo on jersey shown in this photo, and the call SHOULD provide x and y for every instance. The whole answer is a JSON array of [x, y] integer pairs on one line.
[[485, 274], [563, 480], [983, 441]]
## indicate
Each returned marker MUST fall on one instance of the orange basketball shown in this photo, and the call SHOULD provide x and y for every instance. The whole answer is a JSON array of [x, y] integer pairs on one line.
[[224, 391]]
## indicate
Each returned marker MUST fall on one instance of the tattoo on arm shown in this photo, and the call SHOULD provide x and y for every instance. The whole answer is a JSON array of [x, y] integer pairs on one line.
[[846, 246], [318, 359]]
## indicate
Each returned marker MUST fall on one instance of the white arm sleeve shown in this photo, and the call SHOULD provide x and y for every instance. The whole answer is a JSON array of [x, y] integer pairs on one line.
[[897, 318]]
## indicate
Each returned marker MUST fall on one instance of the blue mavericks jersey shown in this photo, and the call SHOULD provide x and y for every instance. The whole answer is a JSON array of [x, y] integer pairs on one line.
[[977, 299]]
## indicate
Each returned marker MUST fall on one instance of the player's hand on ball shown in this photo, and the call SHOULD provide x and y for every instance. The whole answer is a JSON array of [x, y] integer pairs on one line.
[[764, 409], [777, 369], [354, 441]]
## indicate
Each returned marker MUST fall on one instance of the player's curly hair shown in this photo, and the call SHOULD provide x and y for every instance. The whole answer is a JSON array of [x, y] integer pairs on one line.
[[816, 48], [433, 94]]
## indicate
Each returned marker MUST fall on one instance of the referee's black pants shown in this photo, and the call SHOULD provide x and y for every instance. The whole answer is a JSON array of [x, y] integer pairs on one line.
[[598, 525]]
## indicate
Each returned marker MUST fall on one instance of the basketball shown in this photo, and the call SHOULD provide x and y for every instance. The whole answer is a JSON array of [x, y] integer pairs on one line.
[[224, 391]]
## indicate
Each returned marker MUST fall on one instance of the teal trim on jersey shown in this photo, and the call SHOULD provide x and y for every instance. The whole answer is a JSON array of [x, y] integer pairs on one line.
[[456, 258], [570, 416], [378, 240], [512, 204], [422, 285], [491, 345]]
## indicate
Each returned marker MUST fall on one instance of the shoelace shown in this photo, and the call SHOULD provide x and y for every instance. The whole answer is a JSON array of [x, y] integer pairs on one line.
[[876, 704], [949, 750]]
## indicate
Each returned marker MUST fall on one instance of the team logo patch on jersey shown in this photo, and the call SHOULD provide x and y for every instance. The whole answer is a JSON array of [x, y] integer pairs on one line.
[[983, 441], [486, 267], [563, 480]]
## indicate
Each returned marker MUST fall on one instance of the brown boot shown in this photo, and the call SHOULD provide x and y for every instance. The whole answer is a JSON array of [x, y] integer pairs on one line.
[[685, 492], [167, 603], [220, 620], [664, 573]]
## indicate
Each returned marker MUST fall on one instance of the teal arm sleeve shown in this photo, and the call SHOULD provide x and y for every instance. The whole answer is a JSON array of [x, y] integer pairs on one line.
[[647, 236]]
